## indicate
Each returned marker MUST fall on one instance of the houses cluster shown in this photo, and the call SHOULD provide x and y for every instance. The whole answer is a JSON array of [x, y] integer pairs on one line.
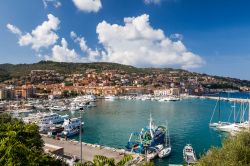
[[45, 76], [43, 83], [12, 92]]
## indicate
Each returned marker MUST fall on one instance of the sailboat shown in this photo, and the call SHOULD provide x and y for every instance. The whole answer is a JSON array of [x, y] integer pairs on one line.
[[236, 126], [219, 123], [164, 151], [229, 127]]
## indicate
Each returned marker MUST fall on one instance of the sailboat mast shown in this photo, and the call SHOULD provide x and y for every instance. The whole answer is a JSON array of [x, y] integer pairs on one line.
[[219, 108], [249, 114], [234, 113]]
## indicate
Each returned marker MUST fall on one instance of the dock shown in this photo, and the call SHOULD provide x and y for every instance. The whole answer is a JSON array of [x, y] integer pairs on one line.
[[72, 148]]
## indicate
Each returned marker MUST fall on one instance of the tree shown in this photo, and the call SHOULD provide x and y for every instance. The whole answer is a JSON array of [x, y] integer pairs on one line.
[[21, 144], [234, 152], [103, 160]]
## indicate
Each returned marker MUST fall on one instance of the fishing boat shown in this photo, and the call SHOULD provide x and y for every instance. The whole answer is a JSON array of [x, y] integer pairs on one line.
[[189, 154], [151, 141], [135, 143], [71, 127]]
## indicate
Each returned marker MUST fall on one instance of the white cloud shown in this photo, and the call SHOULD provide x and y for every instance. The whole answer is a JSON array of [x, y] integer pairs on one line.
[[55, 3], [14, 29], [152, 1], [137, 43], [61, 53], [90, 55], [42, 36], [88, 5]]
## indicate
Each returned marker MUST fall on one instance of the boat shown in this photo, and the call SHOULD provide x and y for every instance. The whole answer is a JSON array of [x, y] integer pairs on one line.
[[110, 97], [230, 126], [54, 130], [85, 98], [189, 154], [52, 118], [169, 98], [219, 123], [135, 143], [44, 127], [151, 153], [71, 127], [164, 150], [151, 140]]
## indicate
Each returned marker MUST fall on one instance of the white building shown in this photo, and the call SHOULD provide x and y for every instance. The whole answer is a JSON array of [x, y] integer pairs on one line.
[[167, 92]]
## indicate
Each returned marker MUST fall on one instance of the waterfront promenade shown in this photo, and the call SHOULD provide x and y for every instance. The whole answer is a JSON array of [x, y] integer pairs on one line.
[[72, 148]]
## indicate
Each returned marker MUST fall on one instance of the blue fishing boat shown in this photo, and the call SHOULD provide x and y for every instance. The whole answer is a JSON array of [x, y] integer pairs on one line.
[[148, 140]]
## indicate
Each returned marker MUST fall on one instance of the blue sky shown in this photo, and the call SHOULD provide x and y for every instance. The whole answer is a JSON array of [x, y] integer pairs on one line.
[[207, 36]]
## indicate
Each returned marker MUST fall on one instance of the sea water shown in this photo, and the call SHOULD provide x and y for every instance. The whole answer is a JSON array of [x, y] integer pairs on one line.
[[111, 122]]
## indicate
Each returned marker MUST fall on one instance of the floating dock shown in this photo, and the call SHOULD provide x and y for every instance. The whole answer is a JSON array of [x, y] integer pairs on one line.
[[72, 148]]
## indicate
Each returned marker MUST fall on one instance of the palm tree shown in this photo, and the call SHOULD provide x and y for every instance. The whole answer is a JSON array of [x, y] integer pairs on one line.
[[100, 160]]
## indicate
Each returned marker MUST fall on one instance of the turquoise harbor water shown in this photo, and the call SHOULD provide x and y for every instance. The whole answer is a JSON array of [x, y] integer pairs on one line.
[[111, 123]]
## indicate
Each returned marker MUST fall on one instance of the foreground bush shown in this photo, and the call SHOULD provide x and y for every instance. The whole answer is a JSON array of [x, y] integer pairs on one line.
[[21, 144], [234, 152]]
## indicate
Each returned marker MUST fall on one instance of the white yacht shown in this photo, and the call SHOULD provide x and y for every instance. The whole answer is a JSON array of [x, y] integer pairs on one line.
[[52, 118], [110, 97], [44, 118], [71, 126], [189, 154], [169, 98], [85, 98]]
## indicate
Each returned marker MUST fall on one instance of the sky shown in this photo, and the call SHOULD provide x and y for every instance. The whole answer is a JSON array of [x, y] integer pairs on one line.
[[207, 36]]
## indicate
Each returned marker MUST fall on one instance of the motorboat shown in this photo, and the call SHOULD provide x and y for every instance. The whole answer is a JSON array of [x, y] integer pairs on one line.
[[71, 126], [52, 118], [189, 154]]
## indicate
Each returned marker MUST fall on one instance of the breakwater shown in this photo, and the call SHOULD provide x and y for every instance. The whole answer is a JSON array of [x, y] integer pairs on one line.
[[239, 100]]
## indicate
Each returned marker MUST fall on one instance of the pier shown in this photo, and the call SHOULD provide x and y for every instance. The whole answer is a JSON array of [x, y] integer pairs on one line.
[[239, 100], [72, 148]]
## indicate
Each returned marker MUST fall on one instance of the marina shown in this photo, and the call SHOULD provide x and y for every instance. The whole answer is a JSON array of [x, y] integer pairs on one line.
[[111, 121]]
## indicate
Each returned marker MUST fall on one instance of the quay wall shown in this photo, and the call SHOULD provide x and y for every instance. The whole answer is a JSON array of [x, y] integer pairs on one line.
[[72, 148]]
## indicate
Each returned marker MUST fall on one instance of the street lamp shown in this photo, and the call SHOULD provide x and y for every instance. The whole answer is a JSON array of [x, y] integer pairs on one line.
[[80, 134]]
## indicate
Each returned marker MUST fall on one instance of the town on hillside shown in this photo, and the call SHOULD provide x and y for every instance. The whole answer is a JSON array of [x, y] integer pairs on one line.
[[52, 84]]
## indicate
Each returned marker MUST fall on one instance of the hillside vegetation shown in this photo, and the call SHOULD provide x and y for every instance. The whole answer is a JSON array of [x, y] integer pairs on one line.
[[10, 71]]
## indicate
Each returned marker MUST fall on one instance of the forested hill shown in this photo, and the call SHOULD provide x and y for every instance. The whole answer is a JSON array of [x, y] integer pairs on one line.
[[21, 70]]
